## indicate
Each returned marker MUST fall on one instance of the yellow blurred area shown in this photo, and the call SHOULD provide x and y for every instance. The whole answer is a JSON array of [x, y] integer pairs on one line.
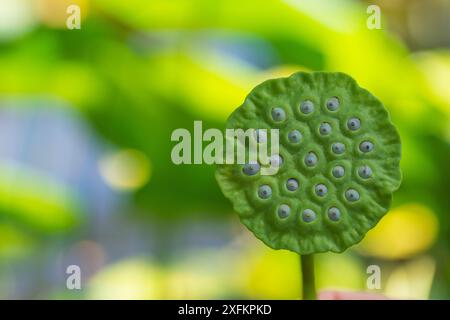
[[201, 275], [216, 85], [411, 280], [206, 90], [53, 13], [405, 231], [339, 271], [16, 18], [280, 71], [125, 170], [275, 274], [129, 279], [271, 274], [254, 272], [68, 81], [436, 68]]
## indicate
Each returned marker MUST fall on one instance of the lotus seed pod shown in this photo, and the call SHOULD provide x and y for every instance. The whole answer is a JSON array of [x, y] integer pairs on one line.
[[348, 175]]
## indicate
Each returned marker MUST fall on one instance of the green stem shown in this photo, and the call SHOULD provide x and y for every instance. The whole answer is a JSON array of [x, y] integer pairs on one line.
[[308, 280]]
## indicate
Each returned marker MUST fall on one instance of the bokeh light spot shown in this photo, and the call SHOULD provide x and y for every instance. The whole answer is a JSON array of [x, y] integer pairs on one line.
[[125, 170]]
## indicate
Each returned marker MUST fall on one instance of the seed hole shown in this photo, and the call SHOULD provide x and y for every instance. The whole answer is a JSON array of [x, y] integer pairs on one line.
[[278, 114], [334, 214], [265, 191], [366, 146], [292, 184], [308, 215], [306, 107], [294, 136], [276, 161], [311, 159], [338, 171], [365, 172], [352, 195], [325, 129], [321, 190], [251, 169], [333, 104], [338, 147], [284, 211], [353, 124]]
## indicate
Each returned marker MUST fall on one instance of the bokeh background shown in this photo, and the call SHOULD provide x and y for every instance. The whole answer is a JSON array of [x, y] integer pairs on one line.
[[85, 123]]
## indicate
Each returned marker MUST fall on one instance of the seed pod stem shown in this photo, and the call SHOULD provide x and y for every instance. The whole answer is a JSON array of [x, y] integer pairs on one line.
[[308, 279]]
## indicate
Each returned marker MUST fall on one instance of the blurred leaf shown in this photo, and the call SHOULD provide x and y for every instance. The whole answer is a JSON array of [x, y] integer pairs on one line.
[[34, 200], [13, 243]]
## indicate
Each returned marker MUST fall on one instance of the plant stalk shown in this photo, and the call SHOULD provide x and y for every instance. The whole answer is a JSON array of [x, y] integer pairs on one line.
[[308, 279]]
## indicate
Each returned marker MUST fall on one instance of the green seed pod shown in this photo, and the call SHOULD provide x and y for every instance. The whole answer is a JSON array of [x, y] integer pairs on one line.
[[337, 142]]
